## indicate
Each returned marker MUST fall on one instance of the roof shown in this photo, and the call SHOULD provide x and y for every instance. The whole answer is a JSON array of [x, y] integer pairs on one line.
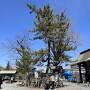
[[85, 51], [7, 71], [84, 57]]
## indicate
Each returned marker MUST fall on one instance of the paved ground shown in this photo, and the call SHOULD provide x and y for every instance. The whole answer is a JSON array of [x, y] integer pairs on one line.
[[68, 86]]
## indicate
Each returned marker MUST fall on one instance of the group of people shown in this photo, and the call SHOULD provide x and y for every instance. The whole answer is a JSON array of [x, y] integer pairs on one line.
[[50, 82], [53, 81]]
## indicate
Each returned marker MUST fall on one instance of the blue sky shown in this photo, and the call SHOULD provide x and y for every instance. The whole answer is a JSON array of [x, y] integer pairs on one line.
[[15, 20]]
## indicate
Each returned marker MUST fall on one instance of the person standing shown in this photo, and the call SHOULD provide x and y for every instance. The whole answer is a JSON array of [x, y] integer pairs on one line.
[[12, 79], [0, 81], [52, 81], [47, 84]]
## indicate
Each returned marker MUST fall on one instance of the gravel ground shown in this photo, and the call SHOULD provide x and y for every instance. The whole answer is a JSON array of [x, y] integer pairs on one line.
[[68, 86]]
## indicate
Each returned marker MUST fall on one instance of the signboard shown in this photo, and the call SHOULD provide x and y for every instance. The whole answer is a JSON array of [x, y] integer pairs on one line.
[[36, 74]]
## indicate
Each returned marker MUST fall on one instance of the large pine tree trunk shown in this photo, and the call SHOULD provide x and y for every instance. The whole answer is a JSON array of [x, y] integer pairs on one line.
[[48, 63]]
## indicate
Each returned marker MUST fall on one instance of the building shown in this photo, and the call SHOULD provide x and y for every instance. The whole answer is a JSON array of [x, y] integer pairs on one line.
[[83, 64], [7, 74]]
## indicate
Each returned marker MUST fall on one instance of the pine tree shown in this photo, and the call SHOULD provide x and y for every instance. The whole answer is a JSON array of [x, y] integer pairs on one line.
[[54, 29], [8, 67]]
